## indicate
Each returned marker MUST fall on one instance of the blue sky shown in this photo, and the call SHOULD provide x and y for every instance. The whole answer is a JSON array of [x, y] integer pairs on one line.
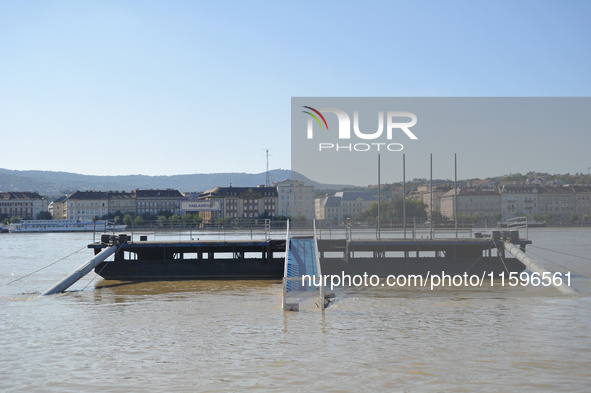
[[178, 87]]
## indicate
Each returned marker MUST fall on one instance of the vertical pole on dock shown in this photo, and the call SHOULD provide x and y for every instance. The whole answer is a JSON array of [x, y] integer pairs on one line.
[[379, 198], [455, 207], [431, 196], [404, 194]]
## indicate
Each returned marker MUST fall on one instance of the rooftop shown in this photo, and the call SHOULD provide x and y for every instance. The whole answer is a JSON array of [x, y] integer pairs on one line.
[[356, 195], [239, 192], [168, 193], [19, 195], [88, 195]]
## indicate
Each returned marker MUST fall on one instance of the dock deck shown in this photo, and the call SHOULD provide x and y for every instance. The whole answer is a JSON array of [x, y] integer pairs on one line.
[[265, 258]]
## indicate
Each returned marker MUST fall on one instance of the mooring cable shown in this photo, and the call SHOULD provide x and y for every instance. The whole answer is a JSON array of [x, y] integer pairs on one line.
[[51, 264], [560, 252], [471, 266], [557, 264]]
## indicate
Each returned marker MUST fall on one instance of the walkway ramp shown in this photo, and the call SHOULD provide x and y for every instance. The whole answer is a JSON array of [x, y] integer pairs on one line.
[[302, 273]]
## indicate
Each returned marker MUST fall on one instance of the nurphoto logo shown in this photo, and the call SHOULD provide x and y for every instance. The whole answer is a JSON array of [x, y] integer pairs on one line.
[[394, 124]]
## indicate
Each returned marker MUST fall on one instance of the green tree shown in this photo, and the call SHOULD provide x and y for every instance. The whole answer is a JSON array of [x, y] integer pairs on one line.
[[197, 219], [223, 221], [414, 208], [44, 215], [117, 219], [574, 218], [498, 216], [438, 216], [165, 213], [300, 219], [174, 220], [127, 219], [390, 210], [162, 220], [187, 219], [149, 217], [15, 220], [138, 221]]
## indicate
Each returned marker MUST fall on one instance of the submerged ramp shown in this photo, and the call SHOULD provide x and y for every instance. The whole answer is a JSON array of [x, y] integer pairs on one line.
[[301, 260], [82, 271], [537, 267]]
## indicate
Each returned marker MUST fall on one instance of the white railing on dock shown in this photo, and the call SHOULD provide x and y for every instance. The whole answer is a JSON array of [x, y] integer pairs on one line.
[[518, 223]]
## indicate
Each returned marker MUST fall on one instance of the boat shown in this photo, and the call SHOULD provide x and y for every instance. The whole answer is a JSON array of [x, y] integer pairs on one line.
[[530, 224], [64, 226], [265, 259]]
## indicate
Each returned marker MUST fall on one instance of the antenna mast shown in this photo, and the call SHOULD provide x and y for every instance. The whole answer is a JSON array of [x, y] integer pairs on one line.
[[268, 180]]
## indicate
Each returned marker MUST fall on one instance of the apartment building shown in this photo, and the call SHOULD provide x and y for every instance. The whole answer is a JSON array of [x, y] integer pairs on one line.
[[295, 199], [25, 205], [519, 200], [483, 202], [154, 201], [85, 205], [241, 202]]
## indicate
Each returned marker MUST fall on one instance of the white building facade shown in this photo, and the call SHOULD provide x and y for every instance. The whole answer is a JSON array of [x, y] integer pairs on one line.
[[295, 199], [85, 205]]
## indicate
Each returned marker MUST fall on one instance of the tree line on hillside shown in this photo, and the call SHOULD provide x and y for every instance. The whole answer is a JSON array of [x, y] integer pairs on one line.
[[392, 211]]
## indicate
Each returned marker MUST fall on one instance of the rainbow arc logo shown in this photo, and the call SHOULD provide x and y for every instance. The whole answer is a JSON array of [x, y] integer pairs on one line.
[[315, 117]]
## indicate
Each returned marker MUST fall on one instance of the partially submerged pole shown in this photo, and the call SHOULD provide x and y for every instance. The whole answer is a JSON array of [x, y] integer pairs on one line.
[[431, 197], [455, 206], [379, 199], [81, 271], [537, 267], [404, 195]]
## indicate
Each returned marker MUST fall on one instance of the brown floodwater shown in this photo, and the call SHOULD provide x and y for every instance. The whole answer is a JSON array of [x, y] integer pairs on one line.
[[186, 336]]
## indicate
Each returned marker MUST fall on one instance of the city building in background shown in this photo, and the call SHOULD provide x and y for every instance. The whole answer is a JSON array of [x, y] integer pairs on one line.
[[57, 208], [155, 201], [26, 205], [85, 205], [346, 204], [295, 199], [122, 202], [472, 202], [519, 200], [242, 202]]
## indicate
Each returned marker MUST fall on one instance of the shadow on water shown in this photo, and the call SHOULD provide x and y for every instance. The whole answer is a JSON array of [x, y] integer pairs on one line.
[[137, 288]]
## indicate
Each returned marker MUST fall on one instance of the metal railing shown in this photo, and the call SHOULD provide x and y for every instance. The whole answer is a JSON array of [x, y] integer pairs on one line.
[[394, 229], [518, 223], [165, 229]]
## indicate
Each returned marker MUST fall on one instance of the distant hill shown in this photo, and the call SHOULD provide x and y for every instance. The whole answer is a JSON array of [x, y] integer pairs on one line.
[[58, 183]]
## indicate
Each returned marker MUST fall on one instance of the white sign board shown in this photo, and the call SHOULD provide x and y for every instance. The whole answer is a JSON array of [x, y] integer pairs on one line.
[[201, 206]]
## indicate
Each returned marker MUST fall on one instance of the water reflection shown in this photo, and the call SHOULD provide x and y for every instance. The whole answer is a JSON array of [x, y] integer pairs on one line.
[[122, 291]]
